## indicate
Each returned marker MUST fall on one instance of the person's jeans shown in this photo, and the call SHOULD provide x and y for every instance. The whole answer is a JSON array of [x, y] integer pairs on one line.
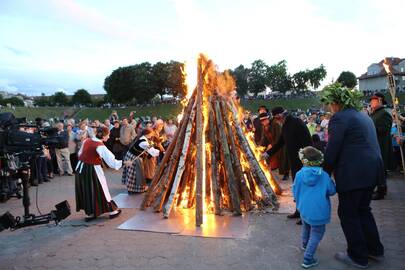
[[42, 169], [311, 237]]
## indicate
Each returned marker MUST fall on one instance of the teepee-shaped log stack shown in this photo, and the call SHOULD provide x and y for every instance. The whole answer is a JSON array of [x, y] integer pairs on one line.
[[211, 164]]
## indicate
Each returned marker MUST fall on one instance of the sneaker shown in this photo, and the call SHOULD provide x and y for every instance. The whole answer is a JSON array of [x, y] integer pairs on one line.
[[309, 263], [343, 257]]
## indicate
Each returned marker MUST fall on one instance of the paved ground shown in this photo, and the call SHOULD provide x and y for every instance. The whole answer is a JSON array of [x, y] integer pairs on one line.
[[273, 240]]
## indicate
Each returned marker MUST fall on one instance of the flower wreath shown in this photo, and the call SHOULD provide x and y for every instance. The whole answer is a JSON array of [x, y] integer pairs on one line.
[[307, 162]]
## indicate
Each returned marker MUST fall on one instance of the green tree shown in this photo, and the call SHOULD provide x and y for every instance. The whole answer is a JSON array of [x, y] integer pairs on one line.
[[241, 75], [316, 75], [348, 79], [160, 78], [300, 80], [59, 99], [278, 78], [132, 82], [81, 97], [257, 77], [15, 101], [176, 81], [42, 101]]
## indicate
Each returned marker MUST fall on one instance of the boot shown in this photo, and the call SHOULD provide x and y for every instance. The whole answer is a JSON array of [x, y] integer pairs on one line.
[[296, 214], [380, 193]]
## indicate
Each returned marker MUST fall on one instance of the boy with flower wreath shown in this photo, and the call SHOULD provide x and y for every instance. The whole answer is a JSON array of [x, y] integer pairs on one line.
[[312, 189]]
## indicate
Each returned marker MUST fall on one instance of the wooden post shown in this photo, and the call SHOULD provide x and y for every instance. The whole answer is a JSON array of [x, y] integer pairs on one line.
[[240, 179], [200, 147], [392, 88], [227, 162], [180, 168], [165, 161], [216, 190], [163, 186], [253, 163]]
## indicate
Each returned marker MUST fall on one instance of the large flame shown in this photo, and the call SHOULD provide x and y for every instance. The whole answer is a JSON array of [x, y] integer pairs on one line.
[[224, 83], [190, 75]]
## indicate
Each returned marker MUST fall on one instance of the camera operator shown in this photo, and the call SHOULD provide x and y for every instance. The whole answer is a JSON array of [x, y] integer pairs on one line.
[[62, 151]]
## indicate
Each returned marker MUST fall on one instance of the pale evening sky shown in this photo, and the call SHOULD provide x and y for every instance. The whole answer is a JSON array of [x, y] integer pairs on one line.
[[51, 45]]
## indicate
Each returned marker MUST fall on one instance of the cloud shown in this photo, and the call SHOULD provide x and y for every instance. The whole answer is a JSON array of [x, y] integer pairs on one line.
[[92, 19], [15, 51]]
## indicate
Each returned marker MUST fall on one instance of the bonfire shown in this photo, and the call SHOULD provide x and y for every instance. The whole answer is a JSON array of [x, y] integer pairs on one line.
[[213, 164]]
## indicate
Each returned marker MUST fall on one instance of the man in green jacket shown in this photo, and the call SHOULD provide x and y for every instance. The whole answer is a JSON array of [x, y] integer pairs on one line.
[[383, 122]]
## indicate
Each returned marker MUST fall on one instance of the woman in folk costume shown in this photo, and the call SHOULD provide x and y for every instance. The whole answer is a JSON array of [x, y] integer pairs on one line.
[[92, 194], [140, 152]]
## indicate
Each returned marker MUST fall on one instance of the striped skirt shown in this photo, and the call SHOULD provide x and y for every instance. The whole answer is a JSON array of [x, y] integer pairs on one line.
[[133, 176], [90, 196]]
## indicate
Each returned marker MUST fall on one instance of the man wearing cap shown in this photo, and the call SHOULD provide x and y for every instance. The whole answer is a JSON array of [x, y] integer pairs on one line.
[[270, 134], [257, 125], [294, 135], [383, 122]]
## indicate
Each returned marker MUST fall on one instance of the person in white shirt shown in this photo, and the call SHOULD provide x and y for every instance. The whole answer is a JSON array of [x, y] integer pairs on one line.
[[92, 193]]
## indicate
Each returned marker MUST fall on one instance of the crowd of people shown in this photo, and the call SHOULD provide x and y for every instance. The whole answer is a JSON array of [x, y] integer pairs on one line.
[[357, 147]]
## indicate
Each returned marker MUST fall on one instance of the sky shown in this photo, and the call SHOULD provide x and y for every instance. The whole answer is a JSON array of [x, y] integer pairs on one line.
[[64, 45]]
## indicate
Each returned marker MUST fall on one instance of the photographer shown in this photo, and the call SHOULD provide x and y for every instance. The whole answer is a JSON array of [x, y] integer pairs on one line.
[[62, 151]]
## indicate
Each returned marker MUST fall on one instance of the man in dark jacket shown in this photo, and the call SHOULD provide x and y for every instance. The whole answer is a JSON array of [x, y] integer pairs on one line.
[[258, 127], [383, 122], [294, 135], [353, 155]]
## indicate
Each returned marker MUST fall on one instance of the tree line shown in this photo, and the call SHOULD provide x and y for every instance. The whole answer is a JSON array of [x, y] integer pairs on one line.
[[141, 82], [260, 76], [15, 101], [80, 97]]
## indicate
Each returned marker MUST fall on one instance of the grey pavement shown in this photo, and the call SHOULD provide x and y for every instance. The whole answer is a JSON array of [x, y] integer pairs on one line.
[[273, 241]]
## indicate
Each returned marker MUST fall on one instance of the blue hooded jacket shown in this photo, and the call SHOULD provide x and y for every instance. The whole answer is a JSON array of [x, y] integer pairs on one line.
[[312, 188]]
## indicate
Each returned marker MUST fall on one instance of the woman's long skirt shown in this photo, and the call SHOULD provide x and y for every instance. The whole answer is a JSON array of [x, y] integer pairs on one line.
[[92, 193], [133, 176]]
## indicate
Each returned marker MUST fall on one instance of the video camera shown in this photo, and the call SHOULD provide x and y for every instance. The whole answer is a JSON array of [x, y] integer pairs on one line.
[[20, 142], [16, 135]]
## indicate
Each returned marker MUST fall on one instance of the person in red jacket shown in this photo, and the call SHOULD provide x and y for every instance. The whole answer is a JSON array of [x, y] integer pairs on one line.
[[92, 193]]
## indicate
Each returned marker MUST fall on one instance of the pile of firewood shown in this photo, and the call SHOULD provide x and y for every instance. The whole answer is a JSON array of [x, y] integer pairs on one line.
[[210, 161]]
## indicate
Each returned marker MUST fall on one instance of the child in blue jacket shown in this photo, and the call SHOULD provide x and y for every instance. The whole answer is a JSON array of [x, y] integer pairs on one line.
[[312, 188]]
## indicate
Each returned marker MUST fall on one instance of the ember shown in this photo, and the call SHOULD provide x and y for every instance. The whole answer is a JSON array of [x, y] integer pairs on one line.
[[212, 163]]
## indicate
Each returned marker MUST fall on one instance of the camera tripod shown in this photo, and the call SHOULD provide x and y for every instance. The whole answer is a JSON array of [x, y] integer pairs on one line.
[[62, 209]]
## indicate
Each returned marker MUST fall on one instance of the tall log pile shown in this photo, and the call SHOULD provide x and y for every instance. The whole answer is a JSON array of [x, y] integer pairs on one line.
[[210, 164]]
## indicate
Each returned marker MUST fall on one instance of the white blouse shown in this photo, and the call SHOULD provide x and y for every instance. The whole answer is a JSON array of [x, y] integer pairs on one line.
[[106, 155], [151, 150]]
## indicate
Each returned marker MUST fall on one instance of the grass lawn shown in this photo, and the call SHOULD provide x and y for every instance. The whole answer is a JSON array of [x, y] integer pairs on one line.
[[43, 112], [162, 110]]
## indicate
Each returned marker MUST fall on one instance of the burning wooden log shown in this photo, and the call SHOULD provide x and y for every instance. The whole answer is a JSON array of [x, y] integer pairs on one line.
[[210, 161], [216, 190], [268, 194], [200, 147], [231, 180], [181, 166], [164, 163]]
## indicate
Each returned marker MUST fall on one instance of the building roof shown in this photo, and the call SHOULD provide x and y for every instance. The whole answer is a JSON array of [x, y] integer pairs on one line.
[[392, 61]]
